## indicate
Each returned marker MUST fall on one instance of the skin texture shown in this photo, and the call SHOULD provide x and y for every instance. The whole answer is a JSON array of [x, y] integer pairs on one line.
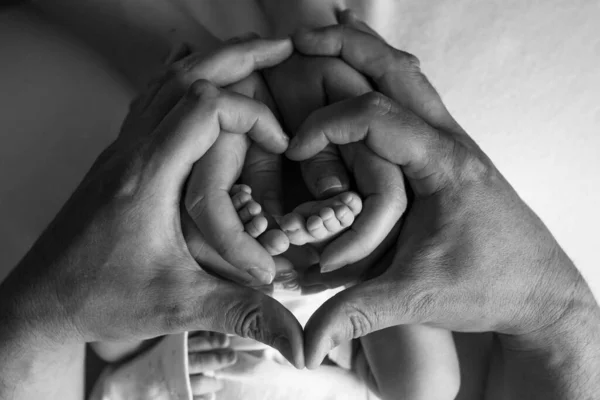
[[471, 256], [116, 253], [301, 85]]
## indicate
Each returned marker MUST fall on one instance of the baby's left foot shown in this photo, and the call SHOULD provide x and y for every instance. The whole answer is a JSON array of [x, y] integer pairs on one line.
[[317, 222], [256, 222]]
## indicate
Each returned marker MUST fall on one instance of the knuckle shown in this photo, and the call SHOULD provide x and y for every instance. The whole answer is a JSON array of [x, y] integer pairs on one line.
[[248, 319], [408, 61], [421, 304], [469, 165], [172, 316], [360, 322], [203, 90]]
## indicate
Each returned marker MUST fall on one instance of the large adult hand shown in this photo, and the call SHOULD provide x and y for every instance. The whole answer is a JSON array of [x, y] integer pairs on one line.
[[303, 84], [114, 264], [471, 255]]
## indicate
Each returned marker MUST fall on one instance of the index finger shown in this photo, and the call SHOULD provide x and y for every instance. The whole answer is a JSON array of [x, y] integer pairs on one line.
[[396, 73], [225, 66], [390, 130]]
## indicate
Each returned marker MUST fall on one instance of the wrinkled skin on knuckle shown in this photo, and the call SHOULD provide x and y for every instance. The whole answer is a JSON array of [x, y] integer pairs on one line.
[[360, 323], [247, 319]]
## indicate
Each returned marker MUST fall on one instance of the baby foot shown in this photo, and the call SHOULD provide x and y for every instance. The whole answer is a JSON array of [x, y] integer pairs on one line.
[[318, 222], [256, 222]]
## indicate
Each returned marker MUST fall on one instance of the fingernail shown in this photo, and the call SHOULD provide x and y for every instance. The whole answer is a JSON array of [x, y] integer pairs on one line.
[[284, 347], [330, 267], [329, 184], [263, 276]]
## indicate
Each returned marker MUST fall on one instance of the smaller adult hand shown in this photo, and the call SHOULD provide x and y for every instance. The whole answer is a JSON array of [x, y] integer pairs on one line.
[[114, 264], [471, 256], [301, 85]]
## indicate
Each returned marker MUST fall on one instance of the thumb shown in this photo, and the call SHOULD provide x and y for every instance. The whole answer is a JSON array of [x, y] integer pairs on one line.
[[230, 308], [356, 312]]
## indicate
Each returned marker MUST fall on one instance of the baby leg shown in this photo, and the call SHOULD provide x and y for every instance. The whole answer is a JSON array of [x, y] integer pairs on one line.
[[318, 222], [258, 224], [410, 362]]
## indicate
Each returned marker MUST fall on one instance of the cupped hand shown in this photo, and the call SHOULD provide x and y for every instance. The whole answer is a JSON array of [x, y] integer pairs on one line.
[[303, 84], [471, 256], [114, 264]]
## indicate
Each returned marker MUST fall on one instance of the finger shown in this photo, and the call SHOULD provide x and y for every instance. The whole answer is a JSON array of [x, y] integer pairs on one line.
[[204, 341], [225, 66], [262, 169], [381, 185], [234, 61], [349, 17], [204, 361], [391, 131], [204, 385], [396, 73], [358, 311], [325, 174], [206, 256], [194, 124], [369, 267], [214, 214], [229, 308]]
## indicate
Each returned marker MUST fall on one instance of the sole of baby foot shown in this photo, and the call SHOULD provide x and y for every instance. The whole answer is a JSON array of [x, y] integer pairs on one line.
[[318, 222]]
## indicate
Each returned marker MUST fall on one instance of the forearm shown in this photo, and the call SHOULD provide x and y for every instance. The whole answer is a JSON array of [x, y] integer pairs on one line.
[[135, 36], [561, 362], [29, 371], [41, 353]]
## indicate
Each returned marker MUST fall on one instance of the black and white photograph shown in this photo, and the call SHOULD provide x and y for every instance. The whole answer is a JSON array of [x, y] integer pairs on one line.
[[299, 199]]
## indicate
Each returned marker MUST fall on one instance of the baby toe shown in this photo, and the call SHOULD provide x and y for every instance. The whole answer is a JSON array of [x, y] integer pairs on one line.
[[353, 201], [240, 199], [293, 226], [330, 220], [257, 226], [251, 210], [240, 188], [274, 241], [316, 228], [344, 215]]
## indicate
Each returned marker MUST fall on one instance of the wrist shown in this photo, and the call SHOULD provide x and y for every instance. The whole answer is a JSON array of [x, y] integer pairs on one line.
[[30, 313], [563, 357]]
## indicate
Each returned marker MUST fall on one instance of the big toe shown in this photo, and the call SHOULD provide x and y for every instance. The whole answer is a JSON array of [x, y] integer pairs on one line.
[[274, 241]]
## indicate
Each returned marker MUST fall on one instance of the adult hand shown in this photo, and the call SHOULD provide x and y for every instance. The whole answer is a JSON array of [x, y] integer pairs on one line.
[[208, 201], [303, 84], [114, 265], [471, 256]]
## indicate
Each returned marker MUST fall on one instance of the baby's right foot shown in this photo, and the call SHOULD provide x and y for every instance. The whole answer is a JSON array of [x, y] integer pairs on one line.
[[318, 222], [256, 223]]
